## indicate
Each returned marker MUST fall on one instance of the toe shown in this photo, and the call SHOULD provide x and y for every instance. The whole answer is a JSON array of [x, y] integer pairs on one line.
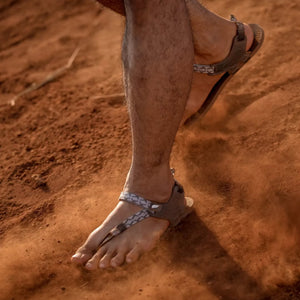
[[134, 254], [76, 258], [118, 259], [92, 264], [81, 256], [105, 260]]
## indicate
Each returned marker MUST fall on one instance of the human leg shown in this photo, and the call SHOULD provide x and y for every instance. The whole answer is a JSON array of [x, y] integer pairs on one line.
[[212, 41], [157, 59], [212, 38]]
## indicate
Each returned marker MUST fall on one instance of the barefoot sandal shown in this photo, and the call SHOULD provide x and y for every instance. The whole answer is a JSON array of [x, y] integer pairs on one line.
[[237, 58], [177, 208]]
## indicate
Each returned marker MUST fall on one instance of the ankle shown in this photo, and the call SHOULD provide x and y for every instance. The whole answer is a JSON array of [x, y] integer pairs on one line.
[[214, 45], [212, 34], [152, 183]]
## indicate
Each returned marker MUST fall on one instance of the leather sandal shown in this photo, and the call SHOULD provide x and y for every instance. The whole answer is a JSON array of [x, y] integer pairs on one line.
[[237, 58], [176, 209]]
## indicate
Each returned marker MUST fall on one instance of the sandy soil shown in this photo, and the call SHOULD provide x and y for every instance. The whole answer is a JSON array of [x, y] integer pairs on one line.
[[65, 150]]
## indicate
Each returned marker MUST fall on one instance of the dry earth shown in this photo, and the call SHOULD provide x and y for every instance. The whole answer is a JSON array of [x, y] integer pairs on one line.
[[65, 151]]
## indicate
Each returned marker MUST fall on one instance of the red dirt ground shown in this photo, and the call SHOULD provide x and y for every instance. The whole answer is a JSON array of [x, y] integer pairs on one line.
[[65, 151]]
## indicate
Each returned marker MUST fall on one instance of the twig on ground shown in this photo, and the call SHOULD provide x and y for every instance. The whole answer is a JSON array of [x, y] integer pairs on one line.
[[54, 75], [57, 73], [83, 285], [111, 96]]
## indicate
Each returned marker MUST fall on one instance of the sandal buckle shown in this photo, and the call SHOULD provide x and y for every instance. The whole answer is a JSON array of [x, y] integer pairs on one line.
[[155, 207]]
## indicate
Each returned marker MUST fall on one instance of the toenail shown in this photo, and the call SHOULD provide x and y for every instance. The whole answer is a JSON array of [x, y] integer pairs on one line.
[[77, 255], [88, 265], [102, 265]]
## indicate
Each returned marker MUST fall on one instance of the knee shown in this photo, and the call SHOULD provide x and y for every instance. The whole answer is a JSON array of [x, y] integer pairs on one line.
[[116, 5]]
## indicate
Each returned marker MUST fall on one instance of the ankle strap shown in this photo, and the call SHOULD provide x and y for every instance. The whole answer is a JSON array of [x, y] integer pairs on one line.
[[240, 30]]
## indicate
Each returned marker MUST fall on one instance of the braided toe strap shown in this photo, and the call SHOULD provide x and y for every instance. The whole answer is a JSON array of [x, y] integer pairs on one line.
[[237, 56], [173, 211]]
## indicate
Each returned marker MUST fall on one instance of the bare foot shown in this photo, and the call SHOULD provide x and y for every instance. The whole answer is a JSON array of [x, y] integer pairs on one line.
[[133, 242], [128, 246], [142, 237]]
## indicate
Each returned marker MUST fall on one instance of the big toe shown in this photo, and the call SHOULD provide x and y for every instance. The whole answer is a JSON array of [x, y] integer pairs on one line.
[[81, 256]]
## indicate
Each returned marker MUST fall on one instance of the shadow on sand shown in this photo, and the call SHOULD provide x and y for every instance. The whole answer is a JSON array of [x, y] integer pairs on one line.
[[196, 250]]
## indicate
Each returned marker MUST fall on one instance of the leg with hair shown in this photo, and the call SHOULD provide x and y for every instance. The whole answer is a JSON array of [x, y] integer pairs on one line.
[[157, 60], [212, 38]]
